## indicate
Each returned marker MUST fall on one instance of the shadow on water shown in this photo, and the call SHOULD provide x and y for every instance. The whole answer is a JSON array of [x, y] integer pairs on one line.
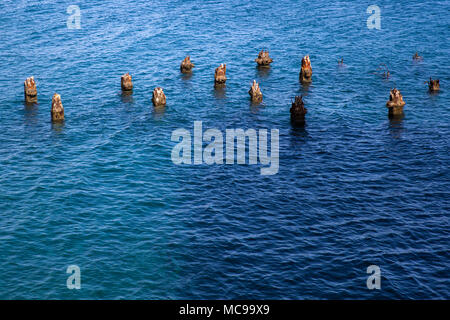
[[304, 89], [298, 126], [31, 112], [298, 135], [127, 97], [263, 72], [342, 67], [158, 112], [186, 76], [220, 92], [186, 80], [58, 126], [255, 107], [396, 126], [433, 94], [298, 130]]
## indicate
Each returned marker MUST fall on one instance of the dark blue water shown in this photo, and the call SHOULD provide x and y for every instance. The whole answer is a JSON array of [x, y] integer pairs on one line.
[[101, 191]]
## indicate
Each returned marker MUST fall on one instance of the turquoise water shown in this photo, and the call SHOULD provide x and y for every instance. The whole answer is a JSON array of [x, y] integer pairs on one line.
[[101, 192]]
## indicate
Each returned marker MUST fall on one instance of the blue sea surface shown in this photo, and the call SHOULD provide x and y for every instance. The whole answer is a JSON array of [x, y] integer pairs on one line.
[[100, 191]]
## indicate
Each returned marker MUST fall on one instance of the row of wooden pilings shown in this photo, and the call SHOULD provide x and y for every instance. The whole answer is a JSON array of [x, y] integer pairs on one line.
[[298, 111]]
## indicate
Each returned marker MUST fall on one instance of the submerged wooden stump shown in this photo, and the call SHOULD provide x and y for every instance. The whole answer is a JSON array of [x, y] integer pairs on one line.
[[57, 111], [220, 76], [395, 103], [255, 93], [433, 85], [159, 98], [126, 83], [30, 91], [298, 112], [186, 65], [306, 71], [263, 59], [417, 57]]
